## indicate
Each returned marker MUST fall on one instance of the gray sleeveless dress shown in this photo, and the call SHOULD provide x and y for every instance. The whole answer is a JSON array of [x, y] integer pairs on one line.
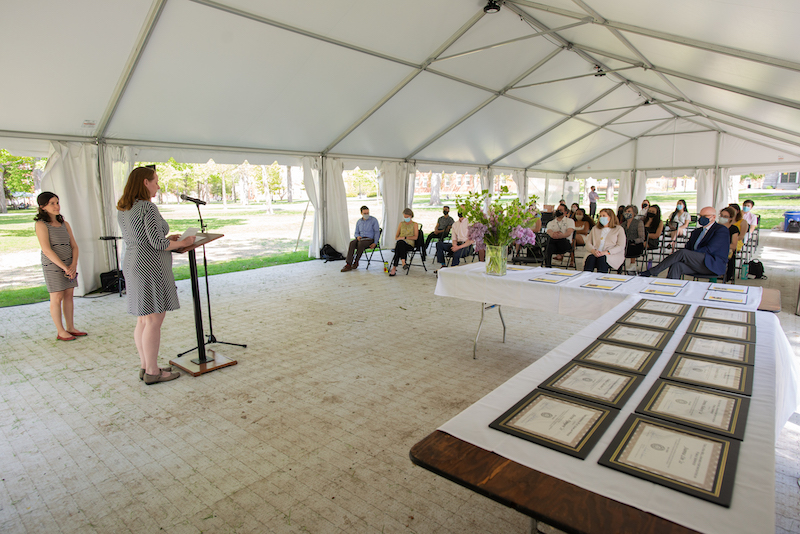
[[54, 276], [147, 265]]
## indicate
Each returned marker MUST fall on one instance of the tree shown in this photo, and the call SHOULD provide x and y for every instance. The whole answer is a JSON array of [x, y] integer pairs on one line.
[[18, 172], [273, 180]]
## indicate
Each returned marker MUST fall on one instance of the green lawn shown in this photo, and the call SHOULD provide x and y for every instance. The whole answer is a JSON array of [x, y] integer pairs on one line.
[[31, 295]]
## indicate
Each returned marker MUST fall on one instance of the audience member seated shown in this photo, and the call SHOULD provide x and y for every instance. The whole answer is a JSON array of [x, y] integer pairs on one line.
[[442, 227], [645, 206], [634, 235], [537, 227], [572, 210], [749, 216], [366, 235], [406, 237], [706, 254], [621, 212], [678, 222], [583, 224], [605, 245], [740, 222], [726, 219], [653, 226], [460, 243], [560, 230]]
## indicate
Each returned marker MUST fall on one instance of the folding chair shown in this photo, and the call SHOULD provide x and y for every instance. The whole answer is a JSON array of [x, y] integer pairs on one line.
[[377, 248], [419, 246]]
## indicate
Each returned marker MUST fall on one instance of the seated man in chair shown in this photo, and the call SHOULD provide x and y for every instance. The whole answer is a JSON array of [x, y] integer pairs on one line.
[[443, 226], [366, 236], [560, 230], [460, 245], [706, 253]]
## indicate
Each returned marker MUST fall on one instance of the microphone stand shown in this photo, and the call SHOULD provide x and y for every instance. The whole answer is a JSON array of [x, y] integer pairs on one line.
[[211, 337]]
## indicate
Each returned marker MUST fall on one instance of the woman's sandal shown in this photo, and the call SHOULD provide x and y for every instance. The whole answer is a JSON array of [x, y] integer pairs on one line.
[[77, 333], [70, 338], [167, 369], [155, 379]]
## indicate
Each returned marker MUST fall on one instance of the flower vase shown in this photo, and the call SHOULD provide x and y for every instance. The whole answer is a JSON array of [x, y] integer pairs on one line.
[[496, 260]]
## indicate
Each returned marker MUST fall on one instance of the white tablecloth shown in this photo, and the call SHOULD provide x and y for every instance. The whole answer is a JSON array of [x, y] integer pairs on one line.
[[470, 282], [773, 401]]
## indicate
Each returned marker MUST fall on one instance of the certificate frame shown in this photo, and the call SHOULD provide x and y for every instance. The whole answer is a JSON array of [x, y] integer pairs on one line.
[[642, 304], [668, 282], [666, 291], [749, 349], [749, 334], [604, 415], [632, 382], [650, 360], [726, 288], [564, 273], [743, 387], [675, 320], [603, 286], [723, 469], [728, 298], [706, 312], [735, 425], [663, 336], [621, 278], [547, 279]]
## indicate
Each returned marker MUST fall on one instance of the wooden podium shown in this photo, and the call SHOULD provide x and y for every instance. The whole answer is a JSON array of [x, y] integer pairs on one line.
[[207, 360]]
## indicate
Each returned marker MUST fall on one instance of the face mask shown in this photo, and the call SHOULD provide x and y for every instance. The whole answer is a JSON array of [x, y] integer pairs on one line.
[[723, 220], [365, 216], [680, 207], [460, 215], [446, 212], [407, 219], [645, 206], [628, 215], [559, 213], [703, 221], [746, 209], [604, 220], [578, 217], [651, 214]]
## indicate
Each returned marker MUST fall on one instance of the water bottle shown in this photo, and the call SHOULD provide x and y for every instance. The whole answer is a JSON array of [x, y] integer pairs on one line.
[[744, 270], [386, 266]]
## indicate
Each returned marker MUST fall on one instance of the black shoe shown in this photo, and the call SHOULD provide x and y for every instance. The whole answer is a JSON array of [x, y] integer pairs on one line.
[[646, 274]]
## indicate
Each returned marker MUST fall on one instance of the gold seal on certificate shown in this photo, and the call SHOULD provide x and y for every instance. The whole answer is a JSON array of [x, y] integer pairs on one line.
[[717, 349], [687, 460], [651, 319], [729, 331], [727, 376], [596, 384], [701, 408], [562, 423], [636, 335], [606, 354], [661, 307]]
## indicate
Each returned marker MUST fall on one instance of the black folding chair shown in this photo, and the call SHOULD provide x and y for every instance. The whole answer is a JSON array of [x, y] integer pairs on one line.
[[372, 250], [419, 247]]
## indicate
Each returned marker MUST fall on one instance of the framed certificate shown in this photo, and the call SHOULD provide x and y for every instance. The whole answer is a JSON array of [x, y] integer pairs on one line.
[[728, 316], [718, 349], [701, 408], [727, 288], [627, 358], [558, 422], [661, 307], [546, 279], [600, 284], [651, 319], [668, 282], [568, 274], [727, 376], [725, 297], [614, 278], [687, 460], [596, 384], [637, 336], [662, 291], [727, 331]]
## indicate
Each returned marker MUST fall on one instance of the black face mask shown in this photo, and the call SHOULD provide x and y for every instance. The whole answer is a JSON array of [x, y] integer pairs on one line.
[[559, 213], [460, 215], [446, 213]]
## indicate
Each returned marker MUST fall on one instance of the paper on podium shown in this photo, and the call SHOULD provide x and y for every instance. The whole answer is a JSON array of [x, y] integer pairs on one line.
[[190, 232]]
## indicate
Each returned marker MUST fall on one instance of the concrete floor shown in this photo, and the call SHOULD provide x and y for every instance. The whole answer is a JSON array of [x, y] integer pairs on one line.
[[310, 432]]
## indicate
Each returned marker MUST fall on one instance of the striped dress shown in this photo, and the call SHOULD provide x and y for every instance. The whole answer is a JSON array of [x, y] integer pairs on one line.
[[147, 265], [54, 276]]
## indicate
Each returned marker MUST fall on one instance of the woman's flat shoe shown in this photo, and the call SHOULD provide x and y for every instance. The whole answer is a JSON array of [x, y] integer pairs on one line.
[[167, 369], [77, 333], [405, 267], [70, 338], [155, 379]]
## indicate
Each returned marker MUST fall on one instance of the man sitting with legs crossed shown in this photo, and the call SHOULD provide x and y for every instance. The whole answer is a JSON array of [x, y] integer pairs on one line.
[[459, 246], [706, 253], [367, 232]]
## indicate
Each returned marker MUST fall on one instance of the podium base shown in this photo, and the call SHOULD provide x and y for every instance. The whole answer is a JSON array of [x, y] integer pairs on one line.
[[215, 361]]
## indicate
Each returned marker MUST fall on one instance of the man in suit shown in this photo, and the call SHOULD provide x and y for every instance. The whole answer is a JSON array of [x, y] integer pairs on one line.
[[705, 254]]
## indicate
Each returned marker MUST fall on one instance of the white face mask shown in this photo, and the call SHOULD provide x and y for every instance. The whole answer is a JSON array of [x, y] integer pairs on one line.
[[723, 220]]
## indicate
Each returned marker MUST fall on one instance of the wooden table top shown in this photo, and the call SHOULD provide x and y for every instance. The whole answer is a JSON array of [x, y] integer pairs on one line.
[[545, 498]]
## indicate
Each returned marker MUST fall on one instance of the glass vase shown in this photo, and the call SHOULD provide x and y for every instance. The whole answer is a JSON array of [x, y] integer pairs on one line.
[[496, 260]]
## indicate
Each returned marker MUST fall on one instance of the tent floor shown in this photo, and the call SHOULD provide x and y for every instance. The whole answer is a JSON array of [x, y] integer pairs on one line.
[[343, 373]]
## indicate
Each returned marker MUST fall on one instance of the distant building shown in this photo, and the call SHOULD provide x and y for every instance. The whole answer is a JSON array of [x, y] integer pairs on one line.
[[782, 180]]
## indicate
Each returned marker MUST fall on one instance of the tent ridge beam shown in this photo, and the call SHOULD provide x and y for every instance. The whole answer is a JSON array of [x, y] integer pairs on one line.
[[573, 77], [47, 137], [198, 146]]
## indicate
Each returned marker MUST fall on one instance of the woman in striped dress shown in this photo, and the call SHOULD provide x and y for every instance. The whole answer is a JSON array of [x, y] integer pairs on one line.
[[59, 263], [148, 268]]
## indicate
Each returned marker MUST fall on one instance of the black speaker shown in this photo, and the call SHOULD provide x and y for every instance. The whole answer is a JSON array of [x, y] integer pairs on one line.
[[108, 281]]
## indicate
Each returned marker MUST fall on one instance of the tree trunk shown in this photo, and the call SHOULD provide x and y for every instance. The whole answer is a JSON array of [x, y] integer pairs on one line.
[[436, 189], [3, 208], [224, 192], [267, 193], [244, 172], [37, 178], [289, 183]]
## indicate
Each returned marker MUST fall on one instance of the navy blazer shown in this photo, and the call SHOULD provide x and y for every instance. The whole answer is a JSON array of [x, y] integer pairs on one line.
[[715, 245]]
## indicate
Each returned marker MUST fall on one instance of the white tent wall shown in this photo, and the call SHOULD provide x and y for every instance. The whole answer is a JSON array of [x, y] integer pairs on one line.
[[410, 172], [393, 178], [639, 192], [520, 178], [312, 180], [722, 189], [705, 188], [72, 174], [336, 223], [116, 164], [625, 192]]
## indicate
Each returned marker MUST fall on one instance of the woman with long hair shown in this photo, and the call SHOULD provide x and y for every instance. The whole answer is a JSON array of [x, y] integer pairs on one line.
[[678, 222], [405, 237], [59, 263], [725, 218], [148, 269], [634, 234], [653, 226], [605, 244]]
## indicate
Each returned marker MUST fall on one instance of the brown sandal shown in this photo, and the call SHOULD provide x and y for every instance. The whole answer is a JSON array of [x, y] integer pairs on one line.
[[155, 379]]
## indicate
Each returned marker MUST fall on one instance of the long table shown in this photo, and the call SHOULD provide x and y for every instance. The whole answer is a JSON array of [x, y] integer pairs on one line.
[[519, 474]]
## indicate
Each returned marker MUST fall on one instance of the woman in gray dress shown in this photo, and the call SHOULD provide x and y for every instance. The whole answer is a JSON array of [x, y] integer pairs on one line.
[[148, 268], [59, 263]]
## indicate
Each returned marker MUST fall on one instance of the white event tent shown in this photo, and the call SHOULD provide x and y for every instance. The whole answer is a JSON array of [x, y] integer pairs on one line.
[[543, 90]]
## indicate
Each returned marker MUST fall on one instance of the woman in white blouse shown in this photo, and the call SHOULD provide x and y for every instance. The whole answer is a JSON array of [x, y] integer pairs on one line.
[[605, 244]]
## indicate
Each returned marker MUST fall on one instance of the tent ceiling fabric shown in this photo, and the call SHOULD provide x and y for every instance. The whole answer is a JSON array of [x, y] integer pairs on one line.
[[437, 82]]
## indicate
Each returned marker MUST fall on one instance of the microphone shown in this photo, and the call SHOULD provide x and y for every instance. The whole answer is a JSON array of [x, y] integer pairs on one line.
[[195, 200]]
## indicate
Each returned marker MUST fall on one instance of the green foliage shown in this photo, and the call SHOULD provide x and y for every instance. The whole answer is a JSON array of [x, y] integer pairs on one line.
[[501, 218], [245, 264], [18, 172], [273, 180]]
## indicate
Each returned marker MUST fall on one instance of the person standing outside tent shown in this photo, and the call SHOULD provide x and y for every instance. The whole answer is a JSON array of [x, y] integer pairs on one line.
[[366, 235], [59, 263], [593, 196]]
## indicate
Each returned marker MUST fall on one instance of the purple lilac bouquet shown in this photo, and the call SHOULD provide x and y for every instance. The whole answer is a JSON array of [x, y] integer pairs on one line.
[[502, 224]]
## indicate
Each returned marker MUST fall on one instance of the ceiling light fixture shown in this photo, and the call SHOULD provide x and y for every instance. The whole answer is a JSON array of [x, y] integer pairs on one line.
[[492, 6]]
